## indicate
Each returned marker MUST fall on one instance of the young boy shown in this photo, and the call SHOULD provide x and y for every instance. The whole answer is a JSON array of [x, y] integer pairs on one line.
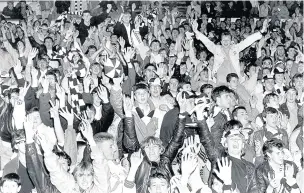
[[10, 183]]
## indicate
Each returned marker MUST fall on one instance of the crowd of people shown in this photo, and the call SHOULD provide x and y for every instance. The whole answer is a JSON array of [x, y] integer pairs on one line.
[[141, 97]]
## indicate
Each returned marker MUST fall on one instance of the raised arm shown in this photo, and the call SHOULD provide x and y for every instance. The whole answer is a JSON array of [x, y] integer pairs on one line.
[[205, 40], [252, 38]]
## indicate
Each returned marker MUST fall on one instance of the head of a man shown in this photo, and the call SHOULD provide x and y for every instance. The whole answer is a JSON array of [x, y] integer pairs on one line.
[[240, 114], [291, 95], [10, 183], [86, 16], [153, 148], [271, 117], [233, 139], [149, 72], [271, 100], [155, 87], [158, 183], [226, 40], [141, 93], [273, 151], [268, 82], [221, 96], [232, 80], [107, 145], [83, 175]]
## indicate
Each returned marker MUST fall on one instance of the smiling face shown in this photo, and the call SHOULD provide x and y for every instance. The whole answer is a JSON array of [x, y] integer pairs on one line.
[[10, 186], [276, 155], [226, 41], [84, 179], [141, 96], [158, 185]]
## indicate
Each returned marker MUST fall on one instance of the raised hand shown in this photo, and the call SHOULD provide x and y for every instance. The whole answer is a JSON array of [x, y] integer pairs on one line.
[[136, 159], [265, 26], [54, 109], [194, 25], [102, 93], [182, 102], [32, 53], [160, 70], [129, 54], [86, 83], [180, 55], [192, 144], [68, 115], [128, 105], [87, 130], [122, 42], [44, 143], [224, 172], [23, 91]]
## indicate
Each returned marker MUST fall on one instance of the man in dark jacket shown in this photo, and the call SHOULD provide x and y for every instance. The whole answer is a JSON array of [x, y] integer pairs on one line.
[[155, 155], [123, 29], [243, 175], [268, 173]]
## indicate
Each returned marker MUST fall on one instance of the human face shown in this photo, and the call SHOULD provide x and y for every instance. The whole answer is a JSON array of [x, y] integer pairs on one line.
[[126, 18], [271, 120], [279, 78], [109, 149], [301, 67], [187, 87], [155, 90], [95, 69], [21, 147], [235, 144], [35, 117], [291, 95], [141, 96], [233, 82], [158, 185], [10, 187], [276, 156], [14, 97], [174, 34], [242, 116], [153, 152], [267, 64], [226, 41], [86, 17], [42, 63], [274, 102], [291, 53], [155, 47], [149, 72], [84, 179], [48, 44], [280, 50], [224, 100], [20, 33], [269, 84], [252, 70], [51, 80], [298, 82], [208, 92], [204, 75], [173, 84], [289, 65]]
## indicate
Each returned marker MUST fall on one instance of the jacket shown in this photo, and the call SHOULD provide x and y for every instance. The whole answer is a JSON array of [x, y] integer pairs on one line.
[[219, 54], [264, 169], [130, 141], [37, 171], [216, 151]]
